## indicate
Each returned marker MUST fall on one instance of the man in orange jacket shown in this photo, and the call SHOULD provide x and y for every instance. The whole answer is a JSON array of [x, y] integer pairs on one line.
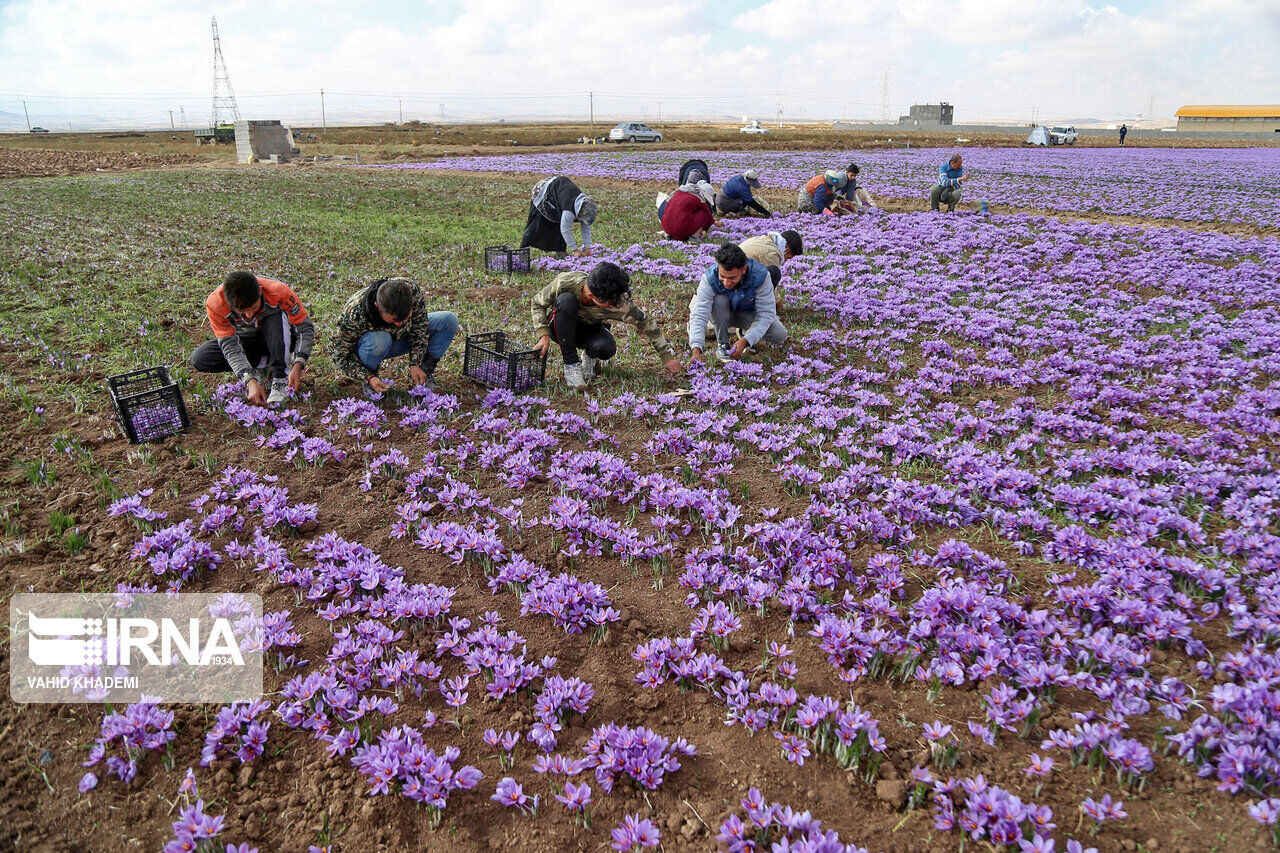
[[256, 322]]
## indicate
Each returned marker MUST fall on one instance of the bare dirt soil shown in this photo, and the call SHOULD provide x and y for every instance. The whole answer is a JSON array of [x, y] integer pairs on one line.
[[26, 163], [296, 794]]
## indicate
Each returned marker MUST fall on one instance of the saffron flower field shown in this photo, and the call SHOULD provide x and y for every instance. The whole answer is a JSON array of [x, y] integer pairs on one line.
[[1200, 185], [985, 558]]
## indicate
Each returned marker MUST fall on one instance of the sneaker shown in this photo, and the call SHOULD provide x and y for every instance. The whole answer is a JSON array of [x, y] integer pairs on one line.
[[573, 377], [279, 392], [590, 366], [725, 353]]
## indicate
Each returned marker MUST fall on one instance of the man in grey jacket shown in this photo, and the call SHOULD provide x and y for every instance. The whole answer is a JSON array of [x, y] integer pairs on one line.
[[736, 292]]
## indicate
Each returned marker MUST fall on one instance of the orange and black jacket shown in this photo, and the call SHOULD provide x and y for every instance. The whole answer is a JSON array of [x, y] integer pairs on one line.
[[279, 305]]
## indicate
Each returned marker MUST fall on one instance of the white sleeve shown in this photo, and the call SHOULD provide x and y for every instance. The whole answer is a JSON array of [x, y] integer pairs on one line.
[[700, 313]]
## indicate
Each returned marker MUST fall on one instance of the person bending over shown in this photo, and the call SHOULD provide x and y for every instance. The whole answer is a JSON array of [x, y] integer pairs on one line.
[[386, 319], [853, 198], [555, 205], [772, 250], [262, 334], [735, 196], [574, 311], [688, 212]]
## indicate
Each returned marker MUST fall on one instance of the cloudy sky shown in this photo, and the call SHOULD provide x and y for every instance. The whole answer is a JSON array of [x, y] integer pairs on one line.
[[114, 63]]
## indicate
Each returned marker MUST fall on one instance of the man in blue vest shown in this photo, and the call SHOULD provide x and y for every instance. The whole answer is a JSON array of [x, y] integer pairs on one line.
[[948, 188], [735, 292]]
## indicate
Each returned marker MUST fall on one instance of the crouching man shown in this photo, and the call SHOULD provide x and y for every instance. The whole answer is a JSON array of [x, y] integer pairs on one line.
[[262, 334], [575, 309], [737, 292], [386, 319]]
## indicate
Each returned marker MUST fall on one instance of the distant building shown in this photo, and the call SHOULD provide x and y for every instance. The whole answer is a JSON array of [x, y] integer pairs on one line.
[[928, 115], [1231, 118]]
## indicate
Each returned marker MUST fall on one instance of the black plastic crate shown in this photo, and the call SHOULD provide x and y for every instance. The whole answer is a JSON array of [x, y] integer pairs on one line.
[[490, 360], [506, 259], [148, 404]]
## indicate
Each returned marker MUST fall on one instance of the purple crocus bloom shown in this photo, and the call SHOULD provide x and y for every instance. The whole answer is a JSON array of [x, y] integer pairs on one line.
[[575, 797], [634, 834]]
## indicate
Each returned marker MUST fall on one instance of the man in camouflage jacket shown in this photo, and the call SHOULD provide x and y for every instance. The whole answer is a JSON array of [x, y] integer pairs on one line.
[[574, 310], [386, 319]]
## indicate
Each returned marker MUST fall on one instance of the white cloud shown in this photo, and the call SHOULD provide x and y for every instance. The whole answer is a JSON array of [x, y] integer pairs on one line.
[[993, 58]]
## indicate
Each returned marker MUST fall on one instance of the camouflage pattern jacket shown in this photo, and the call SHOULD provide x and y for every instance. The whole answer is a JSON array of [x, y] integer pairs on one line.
[[361, 315], [625, 312]]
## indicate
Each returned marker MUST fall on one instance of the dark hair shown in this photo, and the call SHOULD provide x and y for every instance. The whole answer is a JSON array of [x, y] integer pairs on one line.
[[395, 297], [241, 289], [852, 167], [731, 257], [609, 283], [775, 273], [794, 243]]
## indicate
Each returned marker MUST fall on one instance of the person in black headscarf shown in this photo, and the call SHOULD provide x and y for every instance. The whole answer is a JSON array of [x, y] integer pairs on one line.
[[555, 204]]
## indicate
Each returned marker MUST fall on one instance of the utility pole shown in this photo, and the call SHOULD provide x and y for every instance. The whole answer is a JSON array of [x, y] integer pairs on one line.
[[172, 126], [182, 111], [884, 95], [592, 96], [779, 110], [24, 112], [324, 122], [402, 112]]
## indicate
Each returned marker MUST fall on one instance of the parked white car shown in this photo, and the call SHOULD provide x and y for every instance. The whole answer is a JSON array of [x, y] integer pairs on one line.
[[1063, 135], [754, 127], [634, 131]]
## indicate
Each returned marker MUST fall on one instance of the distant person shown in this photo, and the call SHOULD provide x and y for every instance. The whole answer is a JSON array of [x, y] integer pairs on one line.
[[735, 292], [554, 206], [574, 311], [1124, 131], [386, 319], [948, 188], [772, 250], [736, 197], [853, 198], [688, 212], [821, 192], [694, 171], [261, 332]]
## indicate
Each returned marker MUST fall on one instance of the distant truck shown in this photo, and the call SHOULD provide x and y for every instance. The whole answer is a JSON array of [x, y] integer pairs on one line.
[[223, 134]]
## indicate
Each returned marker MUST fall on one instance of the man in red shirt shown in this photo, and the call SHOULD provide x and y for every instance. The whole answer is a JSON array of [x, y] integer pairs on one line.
[[255, 321], [687, 212]]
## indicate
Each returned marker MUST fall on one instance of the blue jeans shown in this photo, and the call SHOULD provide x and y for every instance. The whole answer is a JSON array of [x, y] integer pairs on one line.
[[377, 346]]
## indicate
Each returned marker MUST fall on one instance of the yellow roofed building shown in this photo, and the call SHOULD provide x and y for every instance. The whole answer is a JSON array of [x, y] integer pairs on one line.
[[1249, 118]]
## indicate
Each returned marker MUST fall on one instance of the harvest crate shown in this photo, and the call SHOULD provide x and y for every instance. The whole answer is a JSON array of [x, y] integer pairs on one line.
[[148, 404], [506, 259], [489, 360]]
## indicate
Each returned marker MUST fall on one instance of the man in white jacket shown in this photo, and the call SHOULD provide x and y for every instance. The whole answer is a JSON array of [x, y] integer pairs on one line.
[[736, 292]]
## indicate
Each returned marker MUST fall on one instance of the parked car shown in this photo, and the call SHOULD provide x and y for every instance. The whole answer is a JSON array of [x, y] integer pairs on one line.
[[634, 131], [754, 127], [38, 130], [1063, 135]]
